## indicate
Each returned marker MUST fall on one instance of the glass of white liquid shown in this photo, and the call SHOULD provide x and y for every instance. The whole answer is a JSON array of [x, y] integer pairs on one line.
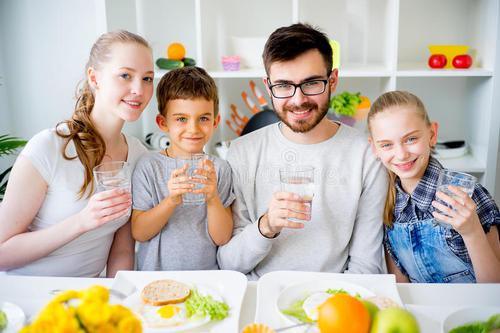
[[194, 163], [299, 180], [111, 175], [462, 180]]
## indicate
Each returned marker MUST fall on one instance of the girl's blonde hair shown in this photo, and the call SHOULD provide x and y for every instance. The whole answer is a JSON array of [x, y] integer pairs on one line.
[[89, 144], [385, 101]]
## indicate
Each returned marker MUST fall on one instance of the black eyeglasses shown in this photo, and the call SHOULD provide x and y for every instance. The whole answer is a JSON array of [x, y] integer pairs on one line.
[[287, 90]]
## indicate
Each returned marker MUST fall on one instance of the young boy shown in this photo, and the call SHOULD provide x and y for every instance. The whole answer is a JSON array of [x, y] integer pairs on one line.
[[172, 235]]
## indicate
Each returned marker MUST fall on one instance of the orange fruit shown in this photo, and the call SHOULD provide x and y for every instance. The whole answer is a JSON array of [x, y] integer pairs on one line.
[[176, 51], [343, 313], [365, 103]]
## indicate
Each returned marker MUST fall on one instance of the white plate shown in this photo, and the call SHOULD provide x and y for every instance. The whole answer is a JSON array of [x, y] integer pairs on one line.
[[135, 303], [468, 315], [15, 317], [300, 291], [229, 286], [271, 285]]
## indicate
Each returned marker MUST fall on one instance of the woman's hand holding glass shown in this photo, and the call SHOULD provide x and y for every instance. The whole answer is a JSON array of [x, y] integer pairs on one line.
[[460, 212], [104, 207]]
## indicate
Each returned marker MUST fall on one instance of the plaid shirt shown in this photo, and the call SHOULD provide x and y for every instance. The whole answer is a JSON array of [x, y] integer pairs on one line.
[[417, 206]]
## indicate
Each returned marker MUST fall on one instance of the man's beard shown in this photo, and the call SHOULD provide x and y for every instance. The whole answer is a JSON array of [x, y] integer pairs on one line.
[[303, 126]]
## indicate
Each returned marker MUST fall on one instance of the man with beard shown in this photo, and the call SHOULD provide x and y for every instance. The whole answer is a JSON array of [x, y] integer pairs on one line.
[[342, 230]]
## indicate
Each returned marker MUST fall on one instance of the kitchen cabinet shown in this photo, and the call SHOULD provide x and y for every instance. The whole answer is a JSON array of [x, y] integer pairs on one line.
[[383, 47]]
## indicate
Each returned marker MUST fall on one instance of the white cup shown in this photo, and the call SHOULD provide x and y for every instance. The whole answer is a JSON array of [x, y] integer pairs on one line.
[[299, 180], [462, 180], [194, 164], [111, 175]]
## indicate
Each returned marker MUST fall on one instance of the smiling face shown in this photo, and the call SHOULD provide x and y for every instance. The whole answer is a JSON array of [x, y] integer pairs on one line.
[[124, 83], [302, 113], [189, 123], [402, 140]]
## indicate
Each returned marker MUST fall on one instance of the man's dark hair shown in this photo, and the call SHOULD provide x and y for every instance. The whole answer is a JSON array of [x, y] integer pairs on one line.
[[287, 43]]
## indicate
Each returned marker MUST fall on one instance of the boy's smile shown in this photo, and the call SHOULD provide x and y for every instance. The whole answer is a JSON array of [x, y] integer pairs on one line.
[[189, 123]]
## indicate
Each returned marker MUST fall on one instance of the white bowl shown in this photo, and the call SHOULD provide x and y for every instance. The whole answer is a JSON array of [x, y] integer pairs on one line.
[[249, 49], [468, 315]]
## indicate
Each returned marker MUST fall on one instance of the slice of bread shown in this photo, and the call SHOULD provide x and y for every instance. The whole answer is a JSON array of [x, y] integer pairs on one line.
[[162, 292]]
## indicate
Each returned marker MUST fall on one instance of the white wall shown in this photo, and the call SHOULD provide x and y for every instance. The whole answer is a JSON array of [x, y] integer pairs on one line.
[[44, 46]]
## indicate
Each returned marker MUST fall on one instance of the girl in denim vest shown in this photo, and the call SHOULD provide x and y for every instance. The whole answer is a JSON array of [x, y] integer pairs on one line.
[[418, 249]]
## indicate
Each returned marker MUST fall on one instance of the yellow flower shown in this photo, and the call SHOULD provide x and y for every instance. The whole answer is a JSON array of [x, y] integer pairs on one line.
[[96, 294], [130, 325], [66, 296], [91, 314]]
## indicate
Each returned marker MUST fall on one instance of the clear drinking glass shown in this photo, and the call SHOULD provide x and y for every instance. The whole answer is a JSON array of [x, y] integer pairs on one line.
[[462, 180], [299, 180], [194, 163], [111, 175]]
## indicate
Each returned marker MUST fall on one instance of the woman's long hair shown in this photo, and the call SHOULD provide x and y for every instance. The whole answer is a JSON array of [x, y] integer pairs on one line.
[[89, 144], [382, 103]]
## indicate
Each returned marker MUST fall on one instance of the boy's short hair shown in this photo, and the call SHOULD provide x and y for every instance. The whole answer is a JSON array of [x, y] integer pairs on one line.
[[287, 43], [186, 83]]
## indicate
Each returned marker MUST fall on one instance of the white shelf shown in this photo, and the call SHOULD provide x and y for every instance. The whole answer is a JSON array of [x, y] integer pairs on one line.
[[383, 43], [421, 70], [467, 163]]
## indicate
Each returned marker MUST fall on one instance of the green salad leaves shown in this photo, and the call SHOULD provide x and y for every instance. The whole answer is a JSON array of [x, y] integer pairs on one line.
[[297, 311], [200, 306], [3, 320], [493, 323]]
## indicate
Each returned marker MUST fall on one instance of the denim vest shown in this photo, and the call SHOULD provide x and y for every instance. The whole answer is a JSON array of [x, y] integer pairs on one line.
[[422, 250]]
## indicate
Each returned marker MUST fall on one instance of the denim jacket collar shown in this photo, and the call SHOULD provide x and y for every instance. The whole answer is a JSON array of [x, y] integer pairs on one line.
[[424, 193]]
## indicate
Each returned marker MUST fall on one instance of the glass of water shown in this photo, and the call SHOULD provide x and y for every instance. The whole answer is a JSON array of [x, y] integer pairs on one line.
[[111, 175], [462, 180], [194, 163], [299, 180]]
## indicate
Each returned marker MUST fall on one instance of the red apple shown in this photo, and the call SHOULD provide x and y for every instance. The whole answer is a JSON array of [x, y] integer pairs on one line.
[[462, 61], [437, 61]]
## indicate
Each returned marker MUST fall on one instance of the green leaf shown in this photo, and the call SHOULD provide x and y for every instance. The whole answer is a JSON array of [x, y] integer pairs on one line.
[[295, 310], [476, 327], [9, 144], [199, 306], [493, 322]]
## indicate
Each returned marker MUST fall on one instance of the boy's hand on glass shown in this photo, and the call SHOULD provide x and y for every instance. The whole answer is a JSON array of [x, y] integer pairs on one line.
[[209, 180], [462, 216], [104, 207], [178, 184]]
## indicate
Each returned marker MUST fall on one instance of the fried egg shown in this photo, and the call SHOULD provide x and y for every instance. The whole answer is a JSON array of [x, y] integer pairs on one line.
[[312, 303], [164, 316]]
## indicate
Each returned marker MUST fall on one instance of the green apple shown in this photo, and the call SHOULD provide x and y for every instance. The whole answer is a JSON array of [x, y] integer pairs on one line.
[[372, 308], [394, 320]]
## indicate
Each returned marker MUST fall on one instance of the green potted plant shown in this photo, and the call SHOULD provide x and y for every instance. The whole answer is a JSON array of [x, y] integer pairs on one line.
[[8, 145]]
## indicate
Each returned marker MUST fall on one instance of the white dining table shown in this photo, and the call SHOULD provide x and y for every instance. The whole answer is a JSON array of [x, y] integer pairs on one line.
[[426, 301]]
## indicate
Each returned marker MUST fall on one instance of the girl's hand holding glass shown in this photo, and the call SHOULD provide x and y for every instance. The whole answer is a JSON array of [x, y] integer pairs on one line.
[[104, 207], [179, 184], [460, 211]]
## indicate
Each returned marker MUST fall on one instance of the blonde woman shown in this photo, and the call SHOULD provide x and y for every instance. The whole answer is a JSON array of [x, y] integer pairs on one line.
[[52, 221]]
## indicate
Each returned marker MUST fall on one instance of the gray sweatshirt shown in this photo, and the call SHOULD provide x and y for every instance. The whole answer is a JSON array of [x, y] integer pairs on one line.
[[345, 231]]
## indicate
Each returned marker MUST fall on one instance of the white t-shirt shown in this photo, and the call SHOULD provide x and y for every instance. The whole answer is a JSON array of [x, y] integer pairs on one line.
[[87, 254]]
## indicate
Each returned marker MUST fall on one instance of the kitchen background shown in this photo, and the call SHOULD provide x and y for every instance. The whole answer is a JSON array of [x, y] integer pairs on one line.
[[384, 46]]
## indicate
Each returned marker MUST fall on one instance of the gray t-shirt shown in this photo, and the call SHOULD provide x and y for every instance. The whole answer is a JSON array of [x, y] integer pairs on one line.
[[184, 242]]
